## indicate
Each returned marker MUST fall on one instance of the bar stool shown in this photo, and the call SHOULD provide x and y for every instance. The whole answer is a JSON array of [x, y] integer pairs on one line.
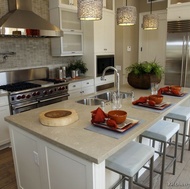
[[129, 160], [162, 131], [182, 114]]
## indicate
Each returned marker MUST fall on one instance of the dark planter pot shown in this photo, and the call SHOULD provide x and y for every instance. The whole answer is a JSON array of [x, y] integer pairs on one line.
[[142, 81]]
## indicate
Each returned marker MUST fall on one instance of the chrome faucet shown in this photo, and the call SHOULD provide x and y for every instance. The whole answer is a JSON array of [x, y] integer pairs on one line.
[[117, 77]]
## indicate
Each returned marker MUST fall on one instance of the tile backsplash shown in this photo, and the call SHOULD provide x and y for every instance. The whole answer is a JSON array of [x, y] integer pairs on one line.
[[29, 52]]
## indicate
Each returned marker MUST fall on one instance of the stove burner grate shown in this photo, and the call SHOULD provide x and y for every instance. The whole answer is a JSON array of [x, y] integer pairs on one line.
[[19, 86]]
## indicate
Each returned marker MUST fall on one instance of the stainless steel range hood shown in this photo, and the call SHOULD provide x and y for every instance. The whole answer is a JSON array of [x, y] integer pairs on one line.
[[21, 21]]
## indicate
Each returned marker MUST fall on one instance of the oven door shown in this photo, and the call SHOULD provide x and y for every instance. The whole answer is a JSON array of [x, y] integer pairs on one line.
[[23, 107], [52, 100]]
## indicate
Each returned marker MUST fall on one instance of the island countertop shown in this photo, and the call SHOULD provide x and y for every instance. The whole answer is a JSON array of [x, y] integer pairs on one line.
[[89, 145]]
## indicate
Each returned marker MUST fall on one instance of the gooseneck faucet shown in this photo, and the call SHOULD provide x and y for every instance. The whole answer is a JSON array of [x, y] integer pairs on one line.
[[117, 77]]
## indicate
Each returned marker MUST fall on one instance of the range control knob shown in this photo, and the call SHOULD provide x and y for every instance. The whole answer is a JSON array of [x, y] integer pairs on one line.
[[45, 92], [50, 91], [19, 97], [27, 96], [23, 96]]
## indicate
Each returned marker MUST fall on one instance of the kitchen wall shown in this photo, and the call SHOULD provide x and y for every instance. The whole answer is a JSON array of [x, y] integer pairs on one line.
[[128, 36], [29, 52]]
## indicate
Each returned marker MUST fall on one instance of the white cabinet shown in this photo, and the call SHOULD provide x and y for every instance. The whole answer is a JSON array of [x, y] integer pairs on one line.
[[71, 44], [178, 11], [57, 3], [41, 165], [80, 88], [4, 111], [177, 3], [27, 161], [104, 34]]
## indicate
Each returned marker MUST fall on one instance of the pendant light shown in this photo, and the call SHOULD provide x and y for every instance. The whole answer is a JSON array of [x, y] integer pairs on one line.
[[90, 9], [126, 16], [150, 21]]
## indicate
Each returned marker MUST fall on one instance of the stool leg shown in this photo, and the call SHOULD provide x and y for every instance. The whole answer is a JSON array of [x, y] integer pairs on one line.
[[123, 182], [151, 172], [183, 142], [130, 183], [175, 152], [163, 166]]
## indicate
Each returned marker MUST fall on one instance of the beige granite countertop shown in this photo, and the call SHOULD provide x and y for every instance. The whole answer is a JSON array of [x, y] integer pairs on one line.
[[82, 142]]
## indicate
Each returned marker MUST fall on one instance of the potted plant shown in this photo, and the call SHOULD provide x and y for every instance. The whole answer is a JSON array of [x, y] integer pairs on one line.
[[77, 65], [140, 75]]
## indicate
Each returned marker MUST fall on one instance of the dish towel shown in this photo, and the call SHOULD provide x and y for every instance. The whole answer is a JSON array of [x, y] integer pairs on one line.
[[99, 116], [142, 99]]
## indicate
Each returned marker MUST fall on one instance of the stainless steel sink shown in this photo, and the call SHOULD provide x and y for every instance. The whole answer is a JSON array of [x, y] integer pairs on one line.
[[107, 95], [90, 101]]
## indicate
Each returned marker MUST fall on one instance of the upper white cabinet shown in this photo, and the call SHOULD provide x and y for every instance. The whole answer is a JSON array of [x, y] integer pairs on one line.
[[58, 3], [71, 43], [177, 3], [104, 34], [178, 10]]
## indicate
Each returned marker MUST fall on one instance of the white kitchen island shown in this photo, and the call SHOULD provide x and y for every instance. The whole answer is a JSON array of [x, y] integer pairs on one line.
[[73, 157]]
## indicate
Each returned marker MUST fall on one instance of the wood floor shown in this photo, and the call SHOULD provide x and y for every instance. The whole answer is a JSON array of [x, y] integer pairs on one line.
[[7, 173], [181, 180]]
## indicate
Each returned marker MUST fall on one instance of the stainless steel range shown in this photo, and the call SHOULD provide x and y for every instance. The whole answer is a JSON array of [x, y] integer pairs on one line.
[[31, 88]]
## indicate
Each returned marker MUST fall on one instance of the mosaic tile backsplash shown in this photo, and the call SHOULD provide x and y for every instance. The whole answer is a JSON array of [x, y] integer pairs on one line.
[[29, 52]]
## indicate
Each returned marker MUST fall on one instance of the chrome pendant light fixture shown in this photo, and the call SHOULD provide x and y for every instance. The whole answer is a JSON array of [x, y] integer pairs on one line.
[[126, 16], [90, 9], [150, 21]]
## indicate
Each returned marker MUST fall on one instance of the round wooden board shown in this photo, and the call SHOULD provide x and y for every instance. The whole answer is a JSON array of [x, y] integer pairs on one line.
[[58, 117]]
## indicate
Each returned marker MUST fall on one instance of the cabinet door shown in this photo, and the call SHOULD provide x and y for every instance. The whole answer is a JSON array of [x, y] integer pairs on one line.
[[66, 172], [88, 90], [4, 131], [104, 33], [26, 161], [69, 20], [72, 43]]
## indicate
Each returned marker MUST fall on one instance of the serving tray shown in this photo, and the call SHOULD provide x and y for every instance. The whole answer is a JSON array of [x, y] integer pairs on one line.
[[171, 94], [161, 106], [127, 124]]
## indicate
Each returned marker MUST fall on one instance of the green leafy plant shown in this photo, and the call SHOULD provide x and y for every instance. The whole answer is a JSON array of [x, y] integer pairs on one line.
[[146, 68], [77, 65]]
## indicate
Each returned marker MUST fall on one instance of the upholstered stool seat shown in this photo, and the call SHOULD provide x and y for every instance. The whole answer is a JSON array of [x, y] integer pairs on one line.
[[182, 114], [162, 131], [129, 160]]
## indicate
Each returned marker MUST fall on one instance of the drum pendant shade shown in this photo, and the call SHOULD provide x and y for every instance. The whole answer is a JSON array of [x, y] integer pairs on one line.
[[126, 16], [150, 21], [90, 9]]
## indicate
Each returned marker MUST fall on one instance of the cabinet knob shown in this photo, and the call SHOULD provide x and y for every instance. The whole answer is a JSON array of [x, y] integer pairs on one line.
[[74, 85], [87, 83]]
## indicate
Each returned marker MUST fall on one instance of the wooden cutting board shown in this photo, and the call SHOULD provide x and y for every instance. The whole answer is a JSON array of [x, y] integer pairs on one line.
[[58, 117]]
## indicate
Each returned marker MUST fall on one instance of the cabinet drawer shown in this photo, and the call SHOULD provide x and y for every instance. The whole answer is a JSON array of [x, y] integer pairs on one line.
[[86, 83], [75, 85], [4, 101]]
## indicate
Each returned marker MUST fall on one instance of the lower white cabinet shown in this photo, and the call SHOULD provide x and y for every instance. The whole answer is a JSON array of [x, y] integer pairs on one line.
[[41, 165], [80, 88], [4, 111]]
